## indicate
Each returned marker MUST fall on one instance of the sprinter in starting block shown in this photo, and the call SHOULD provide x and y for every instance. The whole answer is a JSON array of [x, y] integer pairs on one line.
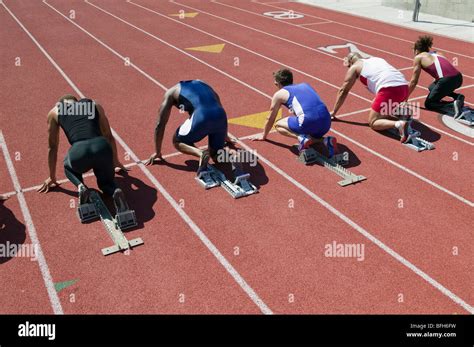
[[207, 119], [92, 148], [310, 120], [446, 79], [387, 83]]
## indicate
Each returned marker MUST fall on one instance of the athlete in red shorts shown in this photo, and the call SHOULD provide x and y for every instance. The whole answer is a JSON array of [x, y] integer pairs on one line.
[[387, 83]]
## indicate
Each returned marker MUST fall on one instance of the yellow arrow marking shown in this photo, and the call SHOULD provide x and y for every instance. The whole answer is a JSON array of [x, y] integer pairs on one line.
[[210, 49], [256, 120], [185, 15]]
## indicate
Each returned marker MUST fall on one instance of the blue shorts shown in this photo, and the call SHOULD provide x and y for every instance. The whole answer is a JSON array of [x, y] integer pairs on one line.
[[204, 122], [315, 125]]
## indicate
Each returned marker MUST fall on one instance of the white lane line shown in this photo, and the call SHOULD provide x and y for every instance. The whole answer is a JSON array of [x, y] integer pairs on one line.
[[316, 23], [43, 265], [364, 232], [197, 231], [367, 30], [246, 49]]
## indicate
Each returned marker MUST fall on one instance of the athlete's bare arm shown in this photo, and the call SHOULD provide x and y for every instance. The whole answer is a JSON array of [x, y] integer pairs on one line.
[[107, 133], [53, 145], [349, 81], [278, 99], [170, 99], [416, 73]]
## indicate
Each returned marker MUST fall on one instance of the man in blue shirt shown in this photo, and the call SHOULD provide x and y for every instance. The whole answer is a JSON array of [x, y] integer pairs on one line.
[[311, 119]]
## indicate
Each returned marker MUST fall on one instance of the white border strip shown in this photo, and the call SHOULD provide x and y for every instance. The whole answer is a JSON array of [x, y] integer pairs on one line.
[[43, 265]]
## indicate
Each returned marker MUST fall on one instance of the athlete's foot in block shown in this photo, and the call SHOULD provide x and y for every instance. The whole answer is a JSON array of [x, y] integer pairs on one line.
[[84, 194], [304, 142], [403, 129], [120, 201], [331, 144], [203, 161], [237, 169], [458, 105]]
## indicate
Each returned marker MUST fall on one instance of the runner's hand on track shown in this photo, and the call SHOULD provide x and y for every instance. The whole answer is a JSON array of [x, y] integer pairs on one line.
[[333, 116], [258, 137], [231, 139], [49, 183], [121, 168], [153, 159]]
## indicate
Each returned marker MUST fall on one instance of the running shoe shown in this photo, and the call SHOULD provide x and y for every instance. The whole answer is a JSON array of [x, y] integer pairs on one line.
[[458, 105], [119, 201], [304, 142], [404, 132], [203, 161], [331, 144], [84, 194]]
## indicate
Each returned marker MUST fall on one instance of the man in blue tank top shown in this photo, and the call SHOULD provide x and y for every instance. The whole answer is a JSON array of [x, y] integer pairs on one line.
[[311, 119], [207, 118]]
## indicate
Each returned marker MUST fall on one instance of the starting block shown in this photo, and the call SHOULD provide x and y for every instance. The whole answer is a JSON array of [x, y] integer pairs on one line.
[[466, 117], [126, 220], [87, 213], [206, 180], [414, 140], [241, 187], [114, 226], [311, 155]]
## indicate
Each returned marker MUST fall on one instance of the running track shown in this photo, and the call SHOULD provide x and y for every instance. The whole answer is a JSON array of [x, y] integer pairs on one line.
[[204, 252]]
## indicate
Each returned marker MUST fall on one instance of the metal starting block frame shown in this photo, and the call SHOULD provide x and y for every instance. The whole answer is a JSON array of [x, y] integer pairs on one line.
[[212, 177], [311, 155], [114, 226], [466, 117], [415, 141]]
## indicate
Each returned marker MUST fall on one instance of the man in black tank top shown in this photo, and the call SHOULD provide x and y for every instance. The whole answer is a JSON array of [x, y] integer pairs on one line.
[[92, 147]]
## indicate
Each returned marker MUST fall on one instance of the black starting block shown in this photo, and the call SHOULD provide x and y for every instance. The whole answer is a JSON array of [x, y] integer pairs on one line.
[[87, 213], [241, 187], [126, 220], [96, 209], [335, 164]]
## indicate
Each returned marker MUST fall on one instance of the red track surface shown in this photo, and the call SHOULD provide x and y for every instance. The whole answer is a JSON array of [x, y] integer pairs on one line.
[[281, 248]]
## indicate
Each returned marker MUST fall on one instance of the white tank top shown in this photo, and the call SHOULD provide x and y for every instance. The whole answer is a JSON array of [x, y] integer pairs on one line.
[[377, 74]]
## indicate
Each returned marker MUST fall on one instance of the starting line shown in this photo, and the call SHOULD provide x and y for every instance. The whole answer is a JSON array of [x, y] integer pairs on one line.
[[96, 209]]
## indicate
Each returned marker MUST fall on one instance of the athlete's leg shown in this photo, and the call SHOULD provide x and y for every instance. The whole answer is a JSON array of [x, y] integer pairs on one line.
[[76, 163], [378, 122], [283, 128], [440, 89], [103, 165]]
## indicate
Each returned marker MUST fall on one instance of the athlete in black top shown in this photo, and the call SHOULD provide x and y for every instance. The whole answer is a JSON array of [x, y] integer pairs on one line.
[[92, 145]]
